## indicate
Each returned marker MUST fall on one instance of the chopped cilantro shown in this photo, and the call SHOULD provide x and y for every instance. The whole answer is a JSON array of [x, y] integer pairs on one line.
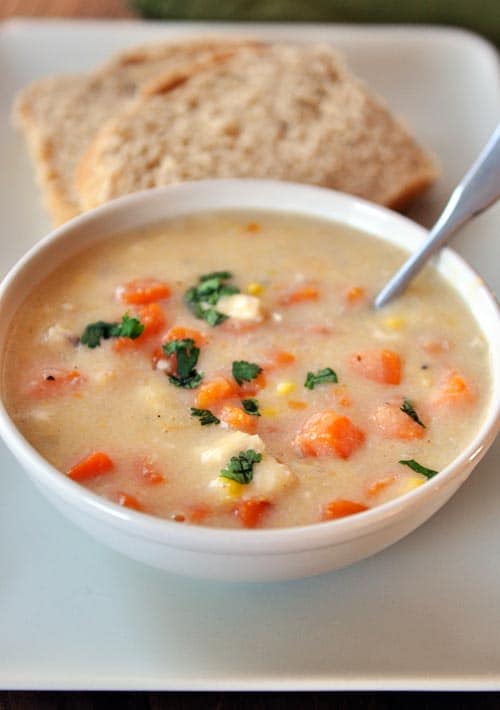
[[251, 406], [240, 468], [101, 330], [205, 416], [415, 466], [244, 371], [202, 298], [223, 275], [213, 317], [128, 328], [320, 377], [94, 332], [186, 354], [408, 409]]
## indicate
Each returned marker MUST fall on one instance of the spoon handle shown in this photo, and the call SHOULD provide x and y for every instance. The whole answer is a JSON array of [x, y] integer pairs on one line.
[[478, 189]]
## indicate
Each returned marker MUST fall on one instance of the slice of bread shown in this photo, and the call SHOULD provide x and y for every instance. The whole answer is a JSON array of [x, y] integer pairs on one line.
[[282, 111], [60, 115]]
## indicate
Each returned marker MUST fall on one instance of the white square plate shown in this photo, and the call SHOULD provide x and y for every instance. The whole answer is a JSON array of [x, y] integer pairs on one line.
[[424, 614]]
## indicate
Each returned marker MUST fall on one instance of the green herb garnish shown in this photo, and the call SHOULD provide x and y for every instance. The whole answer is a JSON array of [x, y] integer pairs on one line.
[[223, 275], [240, 468], [94, 332], [186, 354], [407, 408], [251, 406], [205, 416], [101, 330], [415, 466], [244, 371], [320, 377], [128, 328], [202, 298]]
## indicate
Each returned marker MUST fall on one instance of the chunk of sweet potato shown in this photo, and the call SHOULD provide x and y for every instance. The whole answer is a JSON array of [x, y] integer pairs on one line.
[[327, 433], [379, 365], [237, 418], [213, 392], [393, 423], [453, 390]]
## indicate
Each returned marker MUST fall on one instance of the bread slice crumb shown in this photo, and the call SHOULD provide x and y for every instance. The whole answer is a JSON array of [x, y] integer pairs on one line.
[[283, 111], [59, 116]]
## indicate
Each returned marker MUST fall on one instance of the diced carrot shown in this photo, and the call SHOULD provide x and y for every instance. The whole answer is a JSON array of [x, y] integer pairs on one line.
[[251, 511], [236, 418], [150, 472], [299, 295], [355, 295], [153, 319], [283, 357], [276, 359], [393, 423], [143, 291], [91, 467], [198, 513], [296, 404], [380, 485], [179, 332], [453, 391], [215, 391], [54, 381], [247, 389], [126, 344], [328, 433], [253, 227], [379, 365], [341, 508], [128, 501]]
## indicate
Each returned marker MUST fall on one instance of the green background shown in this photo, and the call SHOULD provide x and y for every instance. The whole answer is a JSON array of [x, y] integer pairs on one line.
[[482, 16]]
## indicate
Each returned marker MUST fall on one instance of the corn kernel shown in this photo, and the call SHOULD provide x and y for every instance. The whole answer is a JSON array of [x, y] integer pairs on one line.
[[394, 322], [285, 387], [232, 489], [411, 482], [269, 412], [254, 288]]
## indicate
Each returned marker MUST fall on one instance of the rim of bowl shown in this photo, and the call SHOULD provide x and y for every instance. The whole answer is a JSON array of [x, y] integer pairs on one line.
[[307, 200]]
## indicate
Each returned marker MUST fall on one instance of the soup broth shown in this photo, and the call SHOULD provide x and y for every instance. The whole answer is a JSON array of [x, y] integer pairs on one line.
[[228, 369]]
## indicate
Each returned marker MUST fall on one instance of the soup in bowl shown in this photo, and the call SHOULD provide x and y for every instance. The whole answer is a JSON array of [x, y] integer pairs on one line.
[[197, 376]]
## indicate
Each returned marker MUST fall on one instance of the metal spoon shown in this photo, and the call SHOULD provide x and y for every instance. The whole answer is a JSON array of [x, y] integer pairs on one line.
[[478, 189]]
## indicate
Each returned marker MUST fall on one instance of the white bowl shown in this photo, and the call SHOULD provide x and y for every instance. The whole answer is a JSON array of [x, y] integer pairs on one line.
[[247, 555]]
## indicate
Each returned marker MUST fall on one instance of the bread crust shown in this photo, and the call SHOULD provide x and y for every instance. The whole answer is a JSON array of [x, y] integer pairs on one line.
[[59, 116]]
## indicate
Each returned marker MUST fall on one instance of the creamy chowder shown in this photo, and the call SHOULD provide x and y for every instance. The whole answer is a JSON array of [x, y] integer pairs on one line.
[[228, 369]]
